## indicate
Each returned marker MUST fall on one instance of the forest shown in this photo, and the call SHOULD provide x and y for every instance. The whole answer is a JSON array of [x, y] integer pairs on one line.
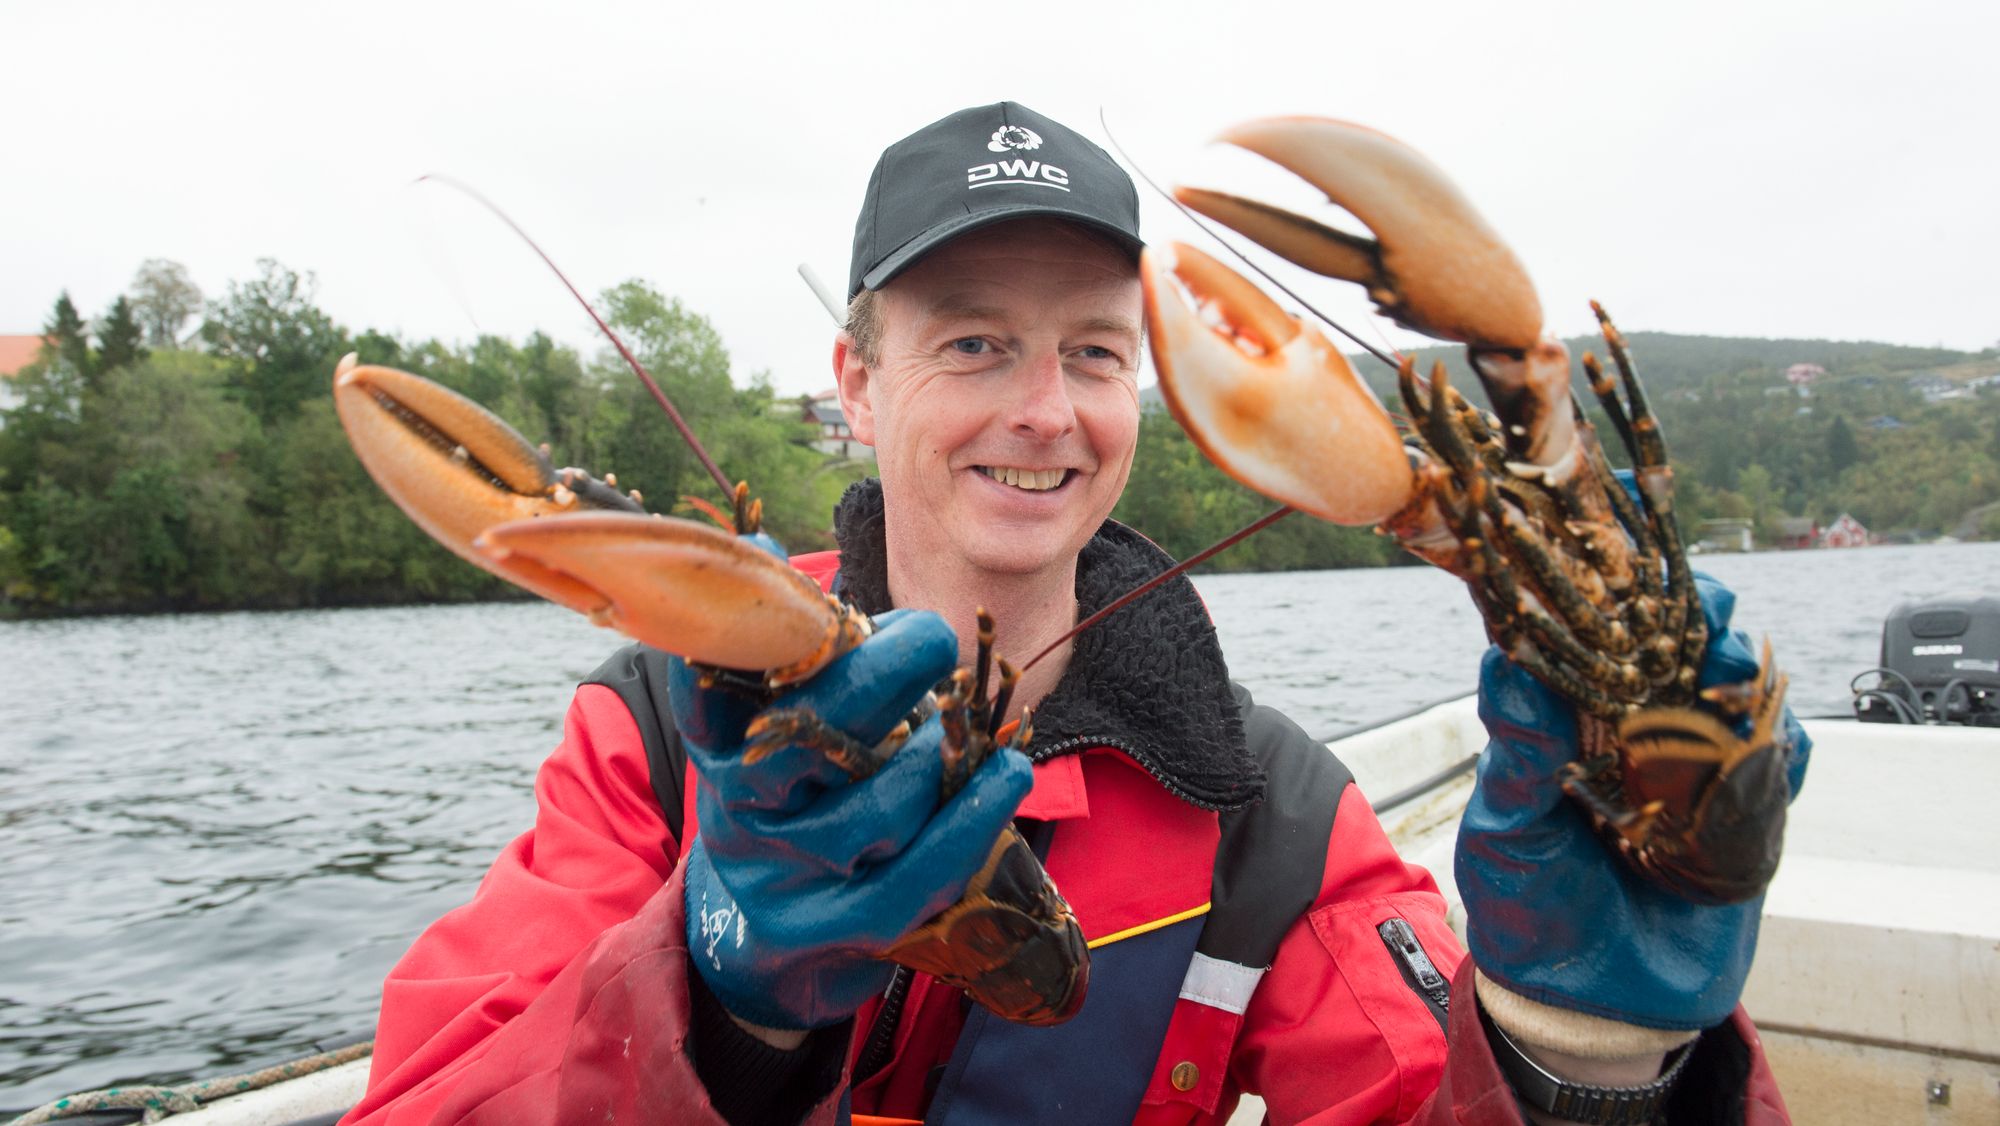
[[182, 453]]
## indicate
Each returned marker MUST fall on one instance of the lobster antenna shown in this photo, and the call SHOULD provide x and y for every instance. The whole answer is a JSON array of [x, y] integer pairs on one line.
[[680, 424], [818, 285], [1195, 560], [1206, 228]]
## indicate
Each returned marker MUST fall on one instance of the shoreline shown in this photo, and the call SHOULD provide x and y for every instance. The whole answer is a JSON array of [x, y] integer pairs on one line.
[[11, 613]]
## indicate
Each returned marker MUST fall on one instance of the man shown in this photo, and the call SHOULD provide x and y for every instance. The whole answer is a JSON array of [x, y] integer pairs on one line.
[[1252, 930]]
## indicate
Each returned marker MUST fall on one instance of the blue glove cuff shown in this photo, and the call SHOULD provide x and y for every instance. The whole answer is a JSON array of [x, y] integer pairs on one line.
[[787, 989], [1551, 914]]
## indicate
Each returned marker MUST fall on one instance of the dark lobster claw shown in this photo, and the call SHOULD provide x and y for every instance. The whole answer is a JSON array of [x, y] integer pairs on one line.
[[1010, 942]]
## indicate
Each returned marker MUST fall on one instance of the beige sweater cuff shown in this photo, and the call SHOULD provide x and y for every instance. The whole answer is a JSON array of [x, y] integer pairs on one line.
[[1573, 1033]]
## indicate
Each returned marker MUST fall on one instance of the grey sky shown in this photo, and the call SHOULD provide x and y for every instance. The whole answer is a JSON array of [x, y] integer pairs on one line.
[[1825, 169]]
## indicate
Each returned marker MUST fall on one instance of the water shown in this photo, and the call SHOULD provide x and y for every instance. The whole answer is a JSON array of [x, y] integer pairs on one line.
[[1335, 649], [219, 831]]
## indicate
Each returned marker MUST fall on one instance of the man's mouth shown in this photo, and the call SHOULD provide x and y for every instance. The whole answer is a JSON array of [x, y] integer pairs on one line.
[[1033, 480]]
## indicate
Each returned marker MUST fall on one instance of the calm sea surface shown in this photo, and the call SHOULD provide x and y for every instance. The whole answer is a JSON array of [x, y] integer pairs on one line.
[[217, 832]]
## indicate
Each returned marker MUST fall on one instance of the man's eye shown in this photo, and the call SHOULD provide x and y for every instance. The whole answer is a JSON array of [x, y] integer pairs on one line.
[[971, 346], [1093, 352]]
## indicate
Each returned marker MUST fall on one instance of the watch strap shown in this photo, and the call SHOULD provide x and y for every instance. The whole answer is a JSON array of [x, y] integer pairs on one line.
[[1543, 1090]]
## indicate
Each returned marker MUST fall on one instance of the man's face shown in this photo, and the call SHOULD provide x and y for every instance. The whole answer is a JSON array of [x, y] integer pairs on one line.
[[1003, 407]]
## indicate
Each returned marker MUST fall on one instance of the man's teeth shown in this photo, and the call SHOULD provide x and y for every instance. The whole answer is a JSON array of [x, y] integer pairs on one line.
[[1036, 479]]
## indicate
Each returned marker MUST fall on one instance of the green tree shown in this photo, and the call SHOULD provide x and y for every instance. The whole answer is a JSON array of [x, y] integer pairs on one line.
[[339, 540], [1761, 493], [1841, 449], [552, 381], [144, 507], [163, 298], [1185, 504], [287, 346], [628, 433], [379, 348], [119, 337], [1958, 426], [66, 334], [1988, 527]]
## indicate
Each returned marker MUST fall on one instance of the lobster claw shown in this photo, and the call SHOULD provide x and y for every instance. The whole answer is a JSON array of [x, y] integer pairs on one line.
[[686, 588], [483, 491], [1266, 396], [1434, 265]]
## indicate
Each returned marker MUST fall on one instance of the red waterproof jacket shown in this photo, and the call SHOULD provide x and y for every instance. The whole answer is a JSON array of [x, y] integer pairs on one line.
[[560, 993]]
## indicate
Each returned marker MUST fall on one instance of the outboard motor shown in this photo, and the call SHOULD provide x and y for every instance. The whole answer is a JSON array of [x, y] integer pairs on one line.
[[1940, 664]]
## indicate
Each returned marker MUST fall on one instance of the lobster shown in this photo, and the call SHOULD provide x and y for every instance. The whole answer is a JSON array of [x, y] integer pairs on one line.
[[1578, 580], [738, 613]]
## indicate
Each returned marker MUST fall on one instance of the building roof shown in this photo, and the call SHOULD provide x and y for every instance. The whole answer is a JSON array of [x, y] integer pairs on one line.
[[827, 411], [1796, 526], [17, 352]]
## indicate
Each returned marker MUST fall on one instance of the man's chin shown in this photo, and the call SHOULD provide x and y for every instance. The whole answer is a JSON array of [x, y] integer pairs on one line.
[[1017, 558]]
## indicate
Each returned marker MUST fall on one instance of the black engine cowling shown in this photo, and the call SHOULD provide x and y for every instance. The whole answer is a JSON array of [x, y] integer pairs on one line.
[[1940, 664]]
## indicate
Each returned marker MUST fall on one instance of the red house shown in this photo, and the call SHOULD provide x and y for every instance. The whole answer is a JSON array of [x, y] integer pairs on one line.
[[1845, 532], [1795, 532], [17, 352]]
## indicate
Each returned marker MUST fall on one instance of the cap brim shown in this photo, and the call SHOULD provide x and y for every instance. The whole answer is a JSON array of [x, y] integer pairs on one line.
[[906, 255]]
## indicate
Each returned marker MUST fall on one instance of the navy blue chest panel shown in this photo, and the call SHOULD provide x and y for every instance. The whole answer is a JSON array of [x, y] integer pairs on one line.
[[1094, 1068]]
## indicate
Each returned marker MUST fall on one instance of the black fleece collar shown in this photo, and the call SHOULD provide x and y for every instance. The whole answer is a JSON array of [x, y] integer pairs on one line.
[[1149, 680]]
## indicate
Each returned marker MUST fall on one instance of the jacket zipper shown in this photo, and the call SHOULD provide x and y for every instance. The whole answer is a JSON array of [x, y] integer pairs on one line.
[[882, 1031], [1418, 971]]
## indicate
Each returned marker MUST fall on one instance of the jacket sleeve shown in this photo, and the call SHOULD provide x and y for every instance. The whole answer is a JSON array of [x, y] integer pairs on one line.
[[1336, 1034], [560, 992]]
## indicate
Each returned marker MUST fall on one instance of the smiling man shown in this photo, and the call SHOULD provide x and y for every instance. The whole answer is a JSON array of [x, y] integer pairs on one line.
[[1251, 928], [997, 379]]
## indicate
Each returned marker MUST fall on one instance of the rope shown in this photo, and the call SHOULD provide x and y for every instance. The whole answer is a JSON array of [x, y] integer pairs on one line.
[[156, 1103]]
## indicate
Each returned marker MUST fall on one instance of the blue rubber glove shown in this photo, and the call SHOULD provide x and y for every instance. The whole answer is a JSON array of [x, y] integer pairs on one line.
[[1551, 913], [800, 877]]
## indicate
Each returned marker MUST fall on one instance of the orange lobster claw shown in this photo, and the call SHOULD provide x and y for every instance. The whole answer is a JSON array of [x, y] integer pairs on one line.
[[682, 586], [483, 491], [1266, 396], [1434, 264]]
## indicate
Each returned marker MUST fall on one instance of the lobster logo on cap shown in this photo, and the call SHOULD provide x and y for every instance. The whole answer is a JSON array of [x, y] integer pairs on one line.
[[1014, 138]]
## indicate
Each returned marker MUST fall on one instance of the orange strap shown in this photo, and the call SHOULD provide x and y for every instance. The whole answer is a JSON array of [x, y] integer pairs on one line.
[[878, 1120]]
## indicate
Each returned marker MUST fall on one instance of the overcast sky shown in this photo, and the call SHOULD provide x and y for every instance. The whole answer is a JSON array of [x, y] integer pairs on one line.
[[1825, 169]]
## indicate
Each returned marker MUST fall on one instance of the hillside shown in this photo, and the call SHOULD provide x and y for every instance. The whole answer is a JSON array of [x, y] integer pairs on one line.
[[1906, 439], [1671, 362]]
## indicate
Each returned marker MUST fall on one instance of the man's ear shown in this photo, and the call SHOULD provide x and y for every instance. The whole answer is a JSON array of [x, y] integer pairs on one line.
[[851, 375]]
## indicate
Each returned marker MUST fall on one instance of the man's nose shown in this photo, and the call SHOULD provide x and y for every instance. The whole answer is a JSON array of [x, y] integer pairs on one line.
[[1042, 407]]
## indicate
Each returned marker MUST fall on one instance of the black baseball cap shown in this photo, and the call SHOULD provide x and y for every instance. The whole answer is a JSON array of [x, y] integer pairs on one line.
[[982, 166]]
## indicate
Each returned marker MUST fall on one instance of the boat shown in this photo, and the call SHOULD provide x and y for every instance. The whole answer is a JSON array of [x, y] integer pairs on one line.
[[1876, 987]]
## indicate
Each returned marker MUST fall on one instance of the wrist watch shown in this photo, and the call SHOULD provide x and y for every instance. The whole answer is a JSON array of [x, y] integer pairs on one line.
[[1539, 1088]]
